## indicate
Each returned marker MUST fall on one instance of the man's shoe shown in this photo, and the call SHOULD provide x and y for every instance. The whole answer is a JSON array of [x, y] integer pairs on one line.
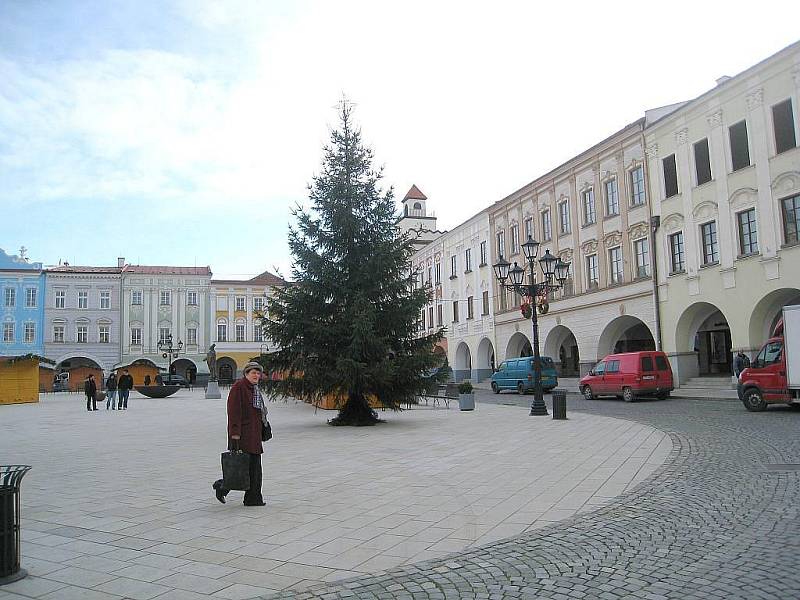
[[218, 491], [262, 503]]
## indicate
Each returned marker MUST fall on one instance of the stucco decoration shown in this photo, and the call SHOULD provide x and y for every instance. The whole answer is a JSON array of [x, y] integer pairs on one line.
[[651, 151], [612, 238], [638, 230], [566, 255], [786, 182], [562, 198], [589, 247], [743, 197], [681, 136], [585, 186], [704, 210], [621, 308], [754, 99], [714, 119]]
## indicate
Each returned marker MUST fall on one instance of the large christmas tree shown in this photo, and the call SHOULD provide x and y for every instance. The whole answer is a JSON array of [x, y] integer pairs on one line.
[[348, 324]]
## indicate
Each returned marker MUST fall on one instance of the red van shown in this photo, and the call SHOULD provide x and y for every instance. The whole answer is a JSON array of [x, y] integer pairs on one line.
[[630, 375]]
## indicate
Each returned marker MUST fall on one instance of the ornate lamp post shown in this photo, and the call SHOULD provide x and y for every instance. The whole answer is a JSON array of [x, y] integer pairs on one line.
[[169, 351], [555, 273]]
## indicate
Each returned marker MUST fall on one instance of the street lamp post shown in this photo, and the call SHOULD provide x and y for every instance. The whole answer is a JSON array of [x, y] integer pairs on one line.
[[169, 351], [555, 273]]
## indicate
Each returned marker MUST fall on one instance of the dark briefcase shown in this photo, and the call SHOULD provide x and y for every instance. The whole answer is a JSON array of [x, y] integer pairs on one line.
[[236, 470]]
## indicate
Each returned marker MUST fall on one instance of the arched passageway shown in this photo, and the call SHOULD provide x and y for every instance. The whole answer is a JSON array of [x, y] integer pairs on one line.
[[766, 314], [463, 363], [185, 368], [703, 340], [625, 334], [562, 347], [74, 371], [486, 360], [226, 369], [519, 345]]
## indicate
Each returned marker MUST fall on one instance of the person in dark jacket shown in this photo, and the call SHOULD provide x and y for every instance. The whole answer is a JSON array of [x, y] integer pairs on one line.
[[111, 390], [147, 379], [124, 386], [247, 414], [740, 363], [90, 389]]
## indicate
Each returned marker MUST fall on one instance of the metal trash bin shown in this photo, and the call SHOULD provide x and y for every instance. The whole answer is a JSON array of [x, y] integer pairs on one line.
[[10, 477], [559, 404]]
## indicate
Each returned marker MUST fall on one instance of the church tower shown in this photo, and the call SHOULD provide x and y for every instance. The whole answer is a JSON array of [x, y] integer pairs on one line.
[[415, 219]]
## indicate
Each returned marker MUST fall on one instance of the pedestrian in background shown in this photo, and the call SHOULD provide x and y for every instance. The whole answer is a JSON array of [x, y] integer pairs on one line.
[[124, 386], [147, 379], [90, 389], [111, 390]]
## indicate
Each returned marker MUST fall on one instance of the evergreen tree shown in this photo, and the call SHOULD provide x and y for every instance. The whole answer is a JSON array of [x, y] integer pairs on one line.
[[348, 323]]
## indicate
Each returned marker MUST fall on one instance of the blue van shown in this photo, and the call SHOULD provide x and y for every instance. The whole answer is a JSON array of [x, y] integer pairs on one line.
[[517, 374]]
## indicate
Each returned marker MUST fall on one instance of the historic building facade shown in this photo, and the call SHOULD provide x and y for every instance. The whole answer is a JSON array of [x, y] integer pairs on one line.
[[82, 320], [163, 301], [237, 307], [415, 220], [725, 182], [22, 290]]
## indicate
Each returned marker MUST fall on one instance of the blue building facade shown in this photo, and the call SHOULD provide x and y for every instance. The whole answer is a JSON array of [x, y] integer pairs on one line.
[[22, 298]]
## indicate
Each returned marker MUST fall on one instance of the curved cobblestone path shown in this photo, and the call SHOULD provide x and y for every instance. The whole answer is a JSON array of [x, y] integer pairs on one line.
[[715, 521]]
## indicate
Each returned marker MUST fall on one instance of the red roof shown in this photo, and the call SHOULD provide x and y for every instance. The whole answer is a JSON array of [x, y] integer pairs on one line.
[[148, 270], [414, 194]]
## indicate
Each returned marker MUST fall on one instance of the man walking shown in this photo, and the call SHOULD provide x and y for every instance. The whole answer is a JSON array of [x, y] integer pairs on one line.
[[124, 386], [90, 389], [111, 390]]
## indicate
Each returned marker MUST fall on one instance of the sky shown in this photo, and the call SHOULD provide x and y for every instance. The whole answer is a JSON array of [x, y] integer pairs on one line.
[[183, 132]]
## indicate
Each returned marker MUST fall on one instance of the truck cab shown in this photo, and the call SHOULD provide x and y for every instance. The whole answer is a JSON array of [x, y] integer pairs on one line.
[[774, 375]]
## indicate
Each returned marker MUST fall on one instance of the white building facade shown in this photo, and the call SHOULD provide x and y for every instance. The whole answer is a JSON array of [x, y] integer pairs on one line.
[[725, 179]]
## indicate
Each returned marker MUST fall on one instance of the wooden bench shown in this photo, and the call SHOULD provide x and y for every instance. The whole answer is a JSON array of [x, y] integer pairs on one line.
[[437, 393]]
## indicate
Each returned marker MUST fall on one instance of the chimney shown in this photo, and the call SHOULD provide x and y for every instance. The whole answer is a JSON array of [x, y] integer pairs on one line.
[[121, 262]]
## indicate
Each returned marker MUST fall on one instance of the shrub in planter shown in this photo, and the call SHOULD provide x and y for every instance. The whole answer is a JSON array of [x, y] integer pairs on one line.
[[465, 387]]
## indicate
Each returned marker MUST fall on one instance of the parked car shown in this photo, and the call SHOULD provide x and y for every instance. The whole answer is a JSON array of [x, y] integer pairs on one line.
[[175, 380], [774, 376], [629, 375], [517, 374]]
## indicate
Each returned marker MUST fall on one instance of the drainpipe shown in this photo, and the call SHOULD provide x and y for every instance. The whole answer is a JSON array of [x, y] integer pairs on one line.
[[655, 222]]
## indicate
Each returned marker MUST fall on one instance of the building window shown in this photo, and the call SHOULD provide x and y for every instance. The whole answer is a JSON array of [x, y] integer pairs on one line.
[[485, 303], [528, 228], [468, 260], [439, 315], [165, 298], [437, 271], [453, 266], [191, 298], [136, 336], [670, 176], [191, 336], [676, 252], [514, 232], [430, 276], [638, 193], [82, 334], [30, 297], [483, 253], [702, 162], [222, 332], [422, 321], [470, 309], [258, 332], [791, 219], [258, 303], [455, 311], [104, 334], [105, 299], [60, 299], [710, 246], [501, 243], [58, 334], [615, 262], [612, 197], [136, 297], [30, 333], [642, 251], [163, 335], [240, 332], [783, 126], [740, 152], [547, 226], [748, 231], [10, 297], [592, 272], [83, 299], [241, 304], [8, 333], [587, 200], [563, 217], [430, 317]]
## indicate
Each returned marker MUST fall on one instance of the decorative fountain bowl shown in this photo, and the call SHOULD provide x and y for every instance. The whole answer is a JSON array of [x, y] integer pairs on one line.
[[157, 391]]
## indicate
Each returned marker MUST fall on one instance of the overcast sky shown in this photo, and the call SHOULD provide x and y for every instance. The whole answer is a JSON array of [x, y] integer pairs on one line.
[[181, 132]]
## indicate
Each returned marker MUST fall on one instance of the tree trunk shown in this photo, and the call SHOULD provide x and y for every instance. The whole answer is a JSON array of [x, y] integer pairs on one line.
[[356, 411]]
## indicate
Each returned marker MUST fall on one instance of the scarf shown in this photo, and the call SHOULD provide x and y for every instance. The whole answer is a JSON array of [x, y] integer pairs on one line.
[[258, 404]]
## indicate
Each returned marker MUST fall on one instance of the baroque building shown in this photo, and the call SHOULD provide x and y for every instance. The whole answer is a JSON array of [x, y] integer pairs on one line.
[[21, 306]]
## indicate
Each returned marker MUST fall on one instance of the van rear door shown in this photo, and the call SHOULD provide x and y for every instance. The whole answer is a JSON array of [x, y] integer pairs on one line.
[[663, 372]]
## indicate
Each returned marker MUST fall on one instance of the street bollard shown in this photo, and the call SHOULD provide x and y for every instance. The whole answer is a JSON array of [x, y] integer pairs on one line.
[[559, 404], [10, 477]]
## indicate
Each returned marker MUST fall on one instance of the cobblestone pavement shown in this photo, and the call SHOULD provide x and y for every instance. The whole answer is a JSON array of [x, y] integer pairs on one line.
[[718, 520]]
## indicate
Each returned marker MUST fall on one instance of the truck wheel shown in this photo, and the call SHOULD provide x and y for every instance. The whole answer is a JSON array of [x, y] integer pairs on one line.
[[627, 394], [753, 401], [520, 388], [495, 389], [663, 395], [587, 393]]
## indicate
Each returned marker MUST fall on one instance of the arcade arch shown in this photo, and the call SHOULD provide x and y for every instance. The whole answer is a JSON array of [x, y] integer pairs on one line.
[[518, 346], [463, 363], [703, 329], [766, 314], [562, 347], [626, 333], [486, 360]]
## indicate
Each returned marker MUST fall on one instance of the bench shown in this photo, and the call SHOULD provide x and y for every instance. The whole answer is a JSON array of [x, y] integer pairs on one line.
[[440, 393]]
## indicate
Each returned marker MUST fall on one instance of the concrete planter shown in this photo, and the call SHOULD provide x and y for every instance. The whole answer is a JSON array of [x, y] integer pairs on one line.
[[466, 401]]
